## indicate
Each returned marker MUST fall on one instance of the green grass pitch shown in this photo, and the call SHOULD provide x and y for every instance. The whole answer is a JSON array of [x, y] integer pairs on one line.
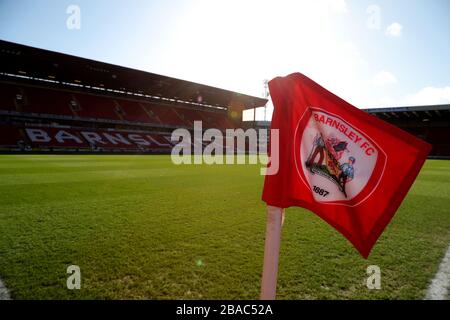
[[140, 227]]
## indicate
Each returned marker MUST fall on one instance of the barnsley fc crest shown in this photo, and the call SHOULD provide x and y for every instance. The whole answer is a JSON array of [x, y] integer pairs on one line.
[[338, 162]]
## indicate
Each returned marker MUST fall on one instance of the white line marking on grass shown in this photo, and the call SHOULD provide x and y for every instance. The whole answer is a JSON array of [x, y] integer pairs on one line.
[[438, 288], [4, 294]]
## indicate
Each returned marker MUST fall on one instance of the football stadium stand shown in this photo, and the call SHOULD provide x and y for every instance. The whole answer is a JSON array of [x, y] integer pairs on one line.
[[53, 102], [429, 123]]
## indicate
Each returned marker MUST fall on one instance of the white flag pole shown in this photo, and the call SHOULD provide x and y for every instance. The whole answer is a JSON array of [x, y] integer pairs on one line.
[[275, 219]]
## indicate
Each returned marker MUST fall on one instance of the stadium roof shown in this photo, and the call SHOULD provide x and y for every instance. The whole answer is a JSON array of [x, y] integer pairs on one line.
[[423, 113], [58, 68]]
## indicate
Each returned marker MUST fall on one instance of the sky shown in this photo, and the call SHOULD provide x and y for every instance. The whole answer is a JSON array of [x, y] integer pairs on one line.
[[371, 53]]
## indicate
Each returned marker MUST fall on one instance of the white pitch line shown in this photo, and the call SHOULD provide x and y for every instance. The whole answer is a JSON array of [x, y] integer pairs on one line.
[[4, 293], [438, 288]]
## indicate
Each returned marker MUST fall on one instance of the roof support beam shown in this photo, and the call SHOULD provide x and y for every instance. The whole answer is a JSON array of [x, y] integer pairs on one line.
[[395, 114]]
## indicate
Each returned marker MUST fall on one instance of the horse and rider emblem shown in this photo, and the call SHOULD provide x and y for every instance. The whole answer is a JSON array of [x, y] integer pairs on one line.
[[326, 158], [335, 159]]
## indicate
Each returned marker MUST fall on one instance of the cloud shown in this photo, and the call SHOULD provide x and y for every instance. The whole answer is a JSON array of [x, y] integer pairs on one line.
[[429, 96], [384, 78], [394, 30], [425, 96]]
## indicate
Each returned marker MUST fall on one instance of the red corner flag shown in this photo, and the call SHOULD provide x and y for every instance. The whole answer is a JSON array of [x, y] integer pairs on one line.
[[350, 168]]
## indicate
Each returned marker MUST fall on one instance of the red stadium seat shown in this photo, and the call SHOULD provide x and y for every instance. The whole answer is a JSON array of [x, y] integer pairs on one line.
[[7, 96], [9, 136], [96, 107], [55, 138], [189, 116], [47, 101], [166, 115], [92, 139], [219, 120], [134, 111]]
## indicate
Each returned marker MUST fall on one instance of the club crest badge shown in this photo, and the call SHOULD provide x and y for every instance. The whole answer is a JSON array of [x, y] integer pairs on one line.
[[338, 162]]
